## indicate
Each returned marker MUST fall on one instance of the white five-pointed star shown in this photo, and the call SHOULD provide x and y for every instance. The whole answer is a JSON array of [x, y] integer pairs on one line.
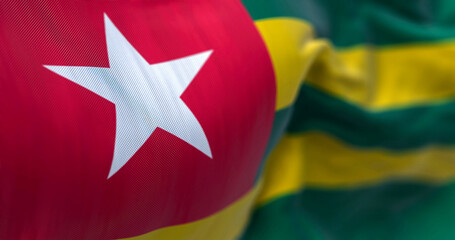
[[145, 96]]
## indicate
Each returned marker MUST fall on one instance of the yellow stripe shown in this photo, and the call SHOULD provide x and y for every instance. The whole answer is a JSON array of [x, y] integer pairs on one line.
[[225, 224], [391, 76], [318, 160], [284, 171], [288, 41], [372, 77]]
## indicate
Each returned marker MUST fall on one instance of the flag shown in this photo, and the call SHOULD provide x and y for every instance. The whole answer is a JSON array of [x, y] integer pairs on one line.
[[290, 119]]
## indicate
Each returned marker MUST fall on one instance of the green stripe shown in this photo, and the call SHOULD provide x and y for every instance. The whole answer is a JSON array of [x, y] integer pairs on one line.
[[398, 129], [390, 211], [352, 22], [280, 123]]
